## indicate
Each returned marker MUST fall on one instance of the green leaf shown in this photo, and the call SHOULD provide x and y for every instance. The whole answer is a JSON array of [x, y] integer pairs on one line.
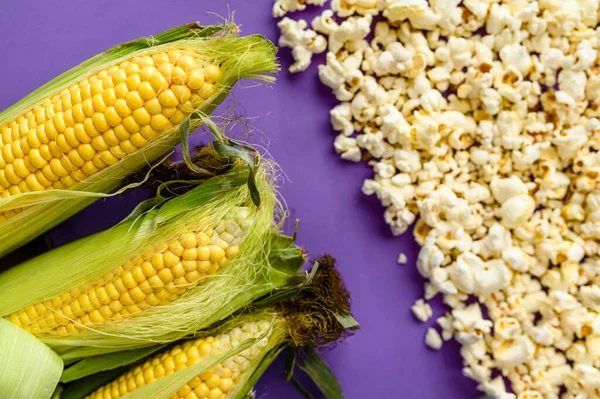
[[288, 292], [347, 321], [184, 132], [202, 193], [224, 147], [227, 151], [320, 373], [301, 389], [290, 363], [96, 364], [28, 368], [57, 392]]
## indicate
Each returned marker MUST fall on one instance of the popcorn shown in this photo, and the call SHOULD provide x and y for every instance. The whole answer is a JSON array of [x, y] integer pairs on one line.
[[394, 60], [488, 140], [469, 324], [348, 148], [507, 327], [345, 8], [402, 259], [341, 118], [433, 339], [463, 271], [422, 310], [496, 389], [282, 7], [303, 42], [513, 352], [399, 10], [516, 210], [573, 83], [505, 189], [478, 8], [351, 30], [516, 55]]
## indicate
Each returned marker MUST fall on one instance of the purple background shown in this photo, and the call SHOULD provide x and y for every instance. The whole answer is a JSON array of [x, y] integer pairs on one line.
[[387, 358]]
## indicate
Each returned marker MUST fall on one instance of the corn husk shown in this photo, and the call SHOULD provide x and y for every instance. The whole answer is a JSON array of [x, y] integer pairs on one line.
[[266, 262], [28, 368], [240, 58]]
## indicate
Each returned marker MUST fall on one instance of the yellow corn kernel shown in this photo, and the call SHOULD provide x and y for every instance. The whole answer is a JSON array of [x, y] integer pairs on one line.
[[141, 116], [195, 79], [212, 73], [131, 125], [134, 100], [153, 106], [112, 117], [133, 82], [121, 90]]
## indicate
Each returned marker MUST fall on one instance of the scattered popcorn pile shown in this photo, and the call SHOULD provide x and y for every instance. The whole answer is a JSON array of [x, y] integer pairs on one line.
[[481, 117]]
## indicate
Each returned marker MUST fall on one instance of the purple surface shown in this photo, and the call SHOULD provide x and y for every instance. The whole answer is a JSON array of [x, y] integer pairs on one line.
[[387, 358]]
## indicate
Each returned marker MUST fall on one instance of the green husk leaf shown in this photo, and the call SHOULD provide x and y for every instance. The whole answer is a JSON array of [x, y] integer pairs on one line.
[[301, 282], [240, 58], [347, 321], [28, 368], [223, 146], [290, 363], [184, 132], [110, 361], [81, 388], [230, 152], [319, 372]]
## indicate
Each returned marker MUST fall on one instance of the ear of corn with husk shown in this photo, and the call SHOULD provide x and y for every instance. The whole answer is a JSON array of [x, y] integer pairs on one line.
[[156, 277], [81, 134], [227, 360]]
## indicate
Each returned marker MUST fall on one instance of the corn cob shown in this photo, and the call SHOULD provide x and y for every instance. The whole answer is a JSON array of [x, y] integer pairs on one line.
[[87, 130], [155, 278], [179, 267], [308, 317], [97, 121], [216, 383]]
